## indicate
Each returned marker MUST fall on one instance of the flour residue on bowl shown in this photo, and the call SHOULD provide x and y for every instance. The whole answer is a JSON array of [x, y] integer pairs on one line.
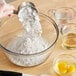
[[30, 40]]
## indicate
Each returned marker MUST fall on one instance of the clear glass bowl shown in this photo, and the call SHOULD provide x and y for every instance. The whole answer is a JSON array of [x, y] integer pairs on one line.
[[63, 15], [68, 32], [65, 65], [12, 28], [67, 13]]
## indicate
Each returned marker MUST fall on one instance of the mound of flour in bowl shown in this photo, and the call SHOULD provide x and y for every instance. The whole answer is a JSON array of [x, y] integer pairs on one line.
[[30, 40]]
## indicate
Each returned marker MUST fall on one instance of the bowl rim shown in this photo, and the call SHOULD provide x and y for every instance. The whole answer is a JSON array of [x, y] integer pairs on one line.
[[57, 35]]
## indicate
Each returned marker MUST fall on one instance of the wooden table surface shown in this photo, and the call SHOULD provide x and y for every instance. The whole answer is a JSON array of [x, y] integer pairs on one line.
[[42, 6]]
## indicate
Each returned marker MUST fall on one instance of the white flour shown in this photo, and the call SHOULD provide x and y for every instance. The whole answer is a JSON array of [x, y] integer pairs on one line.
[[30, 41]]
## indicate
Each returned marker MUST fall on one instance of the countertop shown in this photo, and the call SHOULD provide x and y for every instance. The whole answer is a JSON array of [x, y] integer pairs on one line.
[[45, 68]]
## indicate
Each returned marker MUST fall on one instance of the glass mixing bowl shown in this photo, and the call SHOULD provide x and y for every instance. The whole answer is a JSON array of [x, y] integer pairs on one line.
[[12, 28]]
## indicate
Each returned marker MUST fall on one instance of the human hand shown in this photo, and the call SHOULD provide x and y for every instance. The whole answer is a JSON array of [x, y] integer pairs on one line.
[[6, 9]]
